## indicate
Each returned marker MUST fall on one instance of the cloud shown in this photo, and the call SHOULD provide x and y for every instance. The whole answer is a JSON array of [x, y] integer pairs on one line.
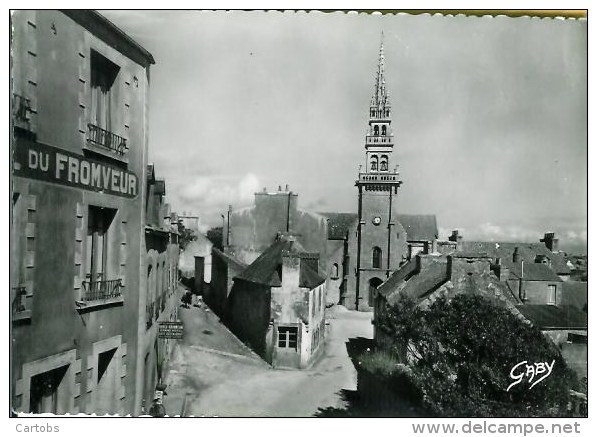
[[209, 196], [570, 235]]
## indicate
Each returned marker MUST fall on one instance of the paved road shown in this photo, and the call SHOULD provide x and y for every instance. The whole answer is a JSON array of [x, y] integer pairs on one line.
[[220, 377]]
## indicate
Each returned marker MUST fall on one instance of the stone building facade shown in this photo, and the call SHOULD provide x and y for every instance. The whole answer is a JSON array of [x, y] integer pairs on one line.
[[160, 294], [277, 305], [79, 153]]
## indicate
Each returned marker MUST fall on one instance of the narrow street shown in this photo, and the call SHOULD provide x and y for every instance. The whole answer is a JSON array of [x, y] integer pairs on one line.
[[212, 373]]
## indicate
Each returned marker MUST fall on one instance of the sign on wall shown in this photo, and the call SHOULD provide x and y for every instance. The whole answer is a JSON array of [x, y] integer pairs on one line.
[[34, 160], [170, 330]]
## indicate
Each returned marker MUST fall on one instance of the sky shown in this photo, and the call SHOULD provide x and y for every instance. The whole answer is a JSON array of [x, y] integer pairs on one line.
[[489, 114]]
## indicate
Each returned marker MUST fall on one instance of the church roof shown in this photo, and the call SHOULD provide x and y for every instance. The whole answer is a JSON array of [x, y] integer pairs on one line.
[[419, 227], [339, 224]]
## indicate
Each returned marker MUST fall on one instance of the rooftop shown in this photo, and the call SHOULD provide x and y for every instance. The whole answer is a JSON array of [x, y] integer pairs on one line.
[[548, 317], [267, 268]]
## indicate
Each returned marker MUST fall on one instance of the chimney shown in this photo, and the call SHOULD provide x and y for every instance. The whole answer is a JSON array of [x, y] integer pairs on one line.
[[291, 268], [501, 271], [521, 291], [551, 242], [456, 238], [516, 255]]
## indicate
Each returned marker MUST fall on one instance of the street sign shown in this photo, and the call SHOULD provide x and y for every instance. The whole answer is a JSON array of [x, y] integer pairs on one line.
[[170, 330]]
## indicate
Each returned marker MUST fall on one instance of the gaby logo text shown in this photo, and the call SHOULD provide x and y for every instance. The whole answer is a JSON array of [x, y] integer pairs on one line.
[[535, 372]]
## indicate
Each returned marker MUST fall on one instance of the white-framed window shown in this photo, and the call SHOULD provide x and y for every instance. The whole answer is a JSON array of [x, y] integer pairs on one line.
[[551, 294], [288, 337]]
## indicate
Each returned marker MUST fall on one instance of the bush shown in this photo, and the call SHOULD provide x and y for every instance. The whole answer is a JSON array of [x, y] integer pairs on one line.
[[461, 352]]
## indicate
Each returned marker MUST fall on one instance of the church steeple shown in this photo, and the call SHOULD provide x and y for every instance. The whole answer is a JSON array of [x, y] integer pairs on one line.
[[380, 239], [380, 96], [379, 141]]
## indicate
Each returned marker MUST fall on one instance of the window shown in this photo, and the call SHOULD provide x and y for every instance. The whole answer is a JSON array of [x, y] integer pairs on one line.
[[103, 361], [99, 221], [335, 271], [287, 337], [551, 298], [103, 75], [374, 163], [383, 130], [376, 130], [376, 258], [384, 163], [44, 390]]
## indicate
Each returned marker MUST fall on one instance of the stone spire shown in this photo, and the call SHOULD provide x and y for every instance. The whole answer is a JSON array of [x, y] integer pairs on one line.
[[380, 95]]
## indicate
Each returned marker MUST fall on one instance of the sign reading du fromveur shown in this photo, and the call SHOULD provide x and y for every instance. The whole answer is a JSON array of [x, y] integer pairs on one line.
[[46, 163]]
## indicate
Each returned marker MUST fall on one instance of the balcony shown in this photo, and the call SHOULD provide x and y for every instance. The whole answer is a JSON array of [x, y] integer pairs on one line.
[[98, 294], [101, 290], [19, 304], [372, 140], [22, 111], [106, 141]]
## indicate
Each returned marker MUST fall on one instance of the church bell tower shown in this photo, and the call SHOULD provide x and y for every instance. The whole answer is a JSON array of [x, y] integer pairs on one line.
[[379, 243]]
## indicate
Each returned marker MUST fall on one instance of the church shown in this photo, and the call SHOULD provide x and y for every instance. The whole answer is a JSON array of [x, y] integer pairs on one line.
[[365, 247], [357, 251]]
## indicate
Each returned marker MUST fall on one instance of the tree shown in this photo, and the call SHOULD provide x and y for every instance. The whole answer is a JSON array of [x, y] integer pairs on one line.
[[185, 235], [215, 236], [461, 352]]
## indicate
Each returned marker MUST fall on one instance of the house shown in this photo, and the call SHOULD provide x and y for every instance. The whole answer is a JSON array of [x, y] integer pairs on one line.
[[160, 294], [224, 269], [427, 277], [544, 253], [534, 283], [567, 327], [79, 147], [575, 293], [277, 304]]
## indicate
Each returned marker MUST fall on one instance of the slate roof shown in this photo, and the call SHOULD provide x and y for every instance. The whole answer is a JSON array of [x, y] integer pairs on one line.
[[160, 187], [339, 224], [419, 227], [419, 284], [267, 268], [528, 252], [237, 264], [575, 293], [533, 272], [397, 277], [548, 317], [427, 281]]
